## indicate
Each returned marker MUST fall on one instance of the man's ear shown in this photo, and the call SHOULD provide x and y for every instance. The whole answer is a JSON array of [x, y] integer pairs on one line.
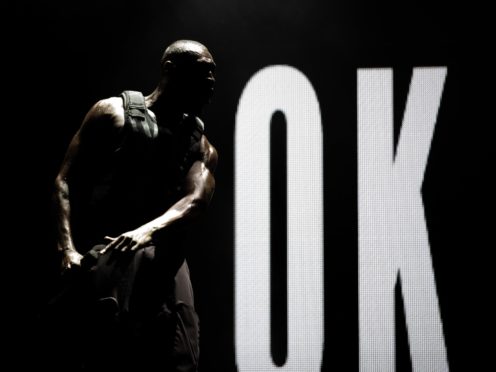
[[168, 67]]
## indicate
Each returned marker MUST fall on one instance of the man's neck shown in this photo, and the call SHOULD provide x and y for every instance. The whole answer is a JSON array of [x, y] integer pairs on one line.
[[164, 108]]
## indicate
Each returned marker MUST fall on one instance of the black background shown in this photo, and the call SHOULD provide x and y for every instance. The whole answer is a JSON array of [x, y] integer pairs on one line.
[[64, 56]]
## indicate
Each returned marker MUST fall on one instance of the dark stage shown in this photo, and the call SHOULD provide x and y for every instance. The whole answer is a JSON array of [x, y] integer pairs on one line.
[[341, 286]]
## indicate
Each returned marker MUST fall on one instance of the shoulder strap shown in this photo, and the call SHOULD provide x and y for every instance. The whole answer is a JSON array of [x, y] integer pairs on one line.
[[199, 129], [192, 125], [135, 109], [133, 100]]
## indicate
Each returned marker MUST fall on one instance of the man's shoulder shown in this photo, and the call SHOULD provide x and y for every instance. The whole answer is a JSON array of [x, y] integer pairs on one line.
[[210, 156], [109, 106], [206, 144], [110, 110]]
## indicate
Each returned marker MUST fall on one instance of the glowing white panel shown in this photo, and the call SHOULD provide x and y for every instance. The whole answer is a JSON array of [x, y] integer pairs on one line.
[[285, 89], [393, 237]]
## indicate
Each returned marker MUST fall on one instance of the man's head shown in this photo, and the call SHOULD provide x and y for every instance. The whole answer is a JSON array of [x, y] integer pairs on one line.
[[188, 71]]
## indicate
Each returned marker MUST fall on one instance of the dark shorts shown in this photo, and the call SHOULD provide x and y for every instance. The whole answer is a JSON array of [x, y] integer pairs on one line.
[[131, 311]]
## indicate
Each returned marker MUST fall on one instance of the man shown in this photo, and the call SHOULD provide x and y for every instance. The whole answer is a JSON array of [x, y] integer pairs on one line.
[[136, 174]]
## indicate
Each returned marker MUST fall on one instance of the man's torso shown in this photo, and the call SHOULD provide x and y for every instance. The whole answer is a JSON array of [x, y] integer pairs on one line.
[[139, 175]]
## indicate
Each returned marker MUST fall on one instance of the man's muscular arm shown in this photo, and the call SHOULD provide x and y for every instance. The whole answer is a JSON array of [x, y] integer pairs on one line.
[[199, 188], [96, 126]]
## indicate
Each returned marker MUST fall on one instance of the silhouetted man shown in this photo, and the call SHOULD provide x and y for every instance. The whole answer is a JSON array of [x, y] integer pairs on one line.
[[134, 177]]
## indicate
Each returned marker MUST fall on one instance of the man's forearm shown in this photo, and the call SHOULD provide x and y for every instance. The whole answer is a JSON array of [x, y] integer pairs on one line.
[[199, 186], [62, 215], [185, 209]]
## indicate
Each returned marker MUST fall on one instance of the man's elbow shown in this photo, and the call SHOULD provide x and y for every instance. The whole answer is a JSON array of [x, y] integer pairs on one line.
[[198, 205], [199, 199]]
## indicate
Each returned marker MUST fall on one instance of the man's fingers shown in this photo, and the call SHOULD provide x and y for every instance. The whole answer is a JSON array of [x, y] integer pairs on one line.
[[108, 246], [68, 266], [134, 247], [112, 244], [131, 245], [121, 243]]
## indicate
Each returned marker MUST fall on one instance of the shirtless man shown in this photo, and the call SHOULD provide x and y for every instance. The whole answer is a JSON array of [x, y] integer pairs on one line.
[[135, 176]]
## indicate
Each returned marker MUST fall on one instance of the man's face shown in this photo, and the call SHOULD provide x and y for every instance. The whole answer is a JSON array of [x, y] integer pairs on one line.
[[196, 80]]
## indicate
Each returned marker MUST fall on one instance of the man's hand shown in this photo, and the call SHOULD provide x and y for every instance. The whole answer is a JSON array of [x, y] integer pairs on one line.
[[70, 259], [129, 241]]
